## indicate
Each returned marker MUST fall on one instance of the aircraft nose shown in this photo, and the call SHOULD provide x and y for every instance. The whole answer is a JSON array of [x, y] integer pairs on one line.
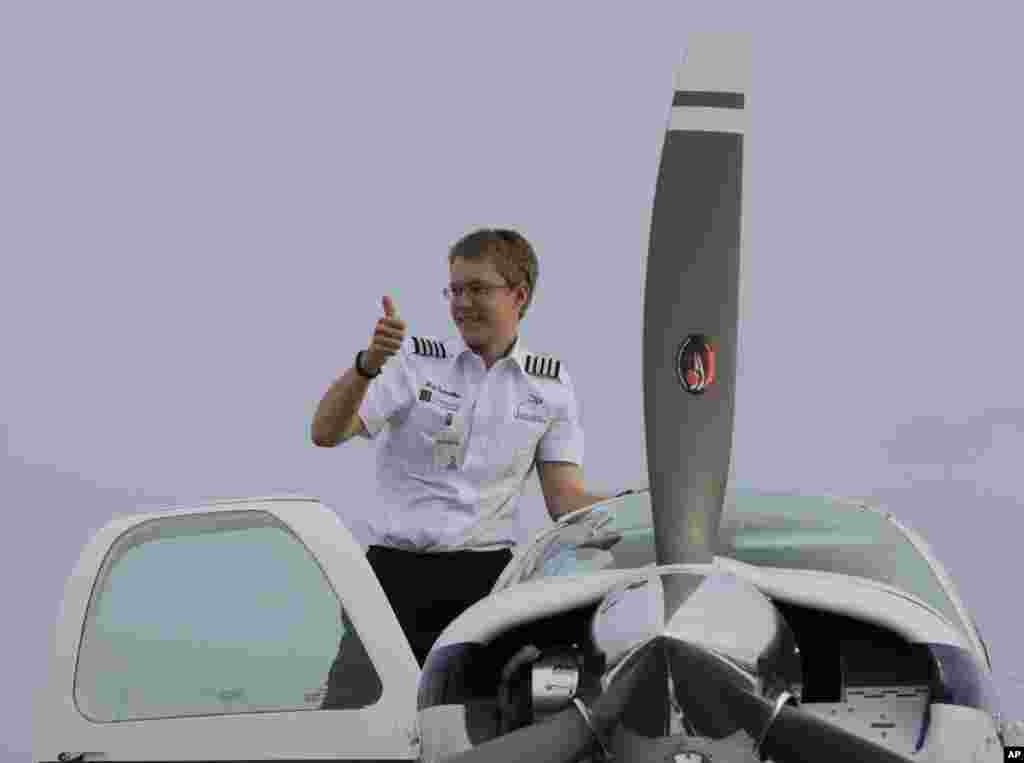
[[725, 615], [679, 685], [705, 648], [716, 611]]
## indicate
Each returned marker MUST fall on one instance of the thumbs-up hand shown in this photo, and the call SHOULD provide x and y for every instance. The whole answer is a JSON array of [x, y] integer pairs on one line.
[[387, 337]]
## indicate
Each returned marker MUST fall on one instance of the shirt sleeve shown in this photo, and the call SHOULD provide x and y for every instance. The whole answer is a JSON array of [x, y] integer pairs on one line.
[[390, 395], [564, 439]]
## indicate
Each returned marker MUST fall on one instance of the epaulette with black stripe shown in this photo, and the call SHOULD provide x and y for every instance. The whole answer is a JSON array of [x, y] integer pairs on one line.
[[429, 348], [542, 365]]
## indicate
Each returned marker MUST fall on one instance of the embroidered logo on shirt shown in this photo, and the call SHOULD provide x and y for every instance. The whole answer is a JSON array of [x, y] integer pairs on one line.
[[533, 409]]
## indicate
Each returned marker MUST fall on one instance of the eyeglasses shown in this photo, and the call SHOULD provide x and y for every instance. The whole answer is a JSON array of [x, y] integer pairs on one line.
[[475, 291]]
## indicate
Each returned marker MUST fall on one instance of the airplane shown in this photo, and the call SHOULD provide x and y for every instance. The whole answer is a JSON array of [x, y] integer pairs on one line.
[[686, 621], [797, 629]]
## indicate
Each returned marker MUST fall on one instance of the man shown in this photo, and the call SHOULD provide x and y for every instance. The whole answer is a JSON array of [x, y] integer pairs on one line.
[[468, 419]]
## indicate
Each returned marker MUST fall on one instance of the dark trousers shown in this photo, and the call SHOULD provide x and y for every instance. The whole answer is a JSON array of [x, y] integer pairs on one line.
[[428, 591]]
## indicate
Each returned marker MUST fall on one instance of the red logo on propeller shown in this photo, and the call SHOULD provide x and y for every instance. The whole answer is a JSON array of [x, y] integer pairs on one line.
[[695, 364]]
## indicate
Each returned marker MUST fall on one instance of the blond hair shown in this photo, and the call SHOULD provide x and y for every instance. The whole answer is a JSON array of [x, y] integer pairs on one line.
[[509, 252]]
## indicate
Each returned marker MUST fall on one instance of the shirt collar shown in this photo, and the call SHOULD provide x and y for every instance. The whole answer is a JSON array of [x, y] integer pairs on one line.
[[517, 353]]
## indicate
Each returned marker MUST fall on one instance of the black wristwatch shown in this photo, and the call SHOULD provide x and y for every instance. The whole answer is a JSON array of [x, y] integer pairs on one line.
[[359, 367]]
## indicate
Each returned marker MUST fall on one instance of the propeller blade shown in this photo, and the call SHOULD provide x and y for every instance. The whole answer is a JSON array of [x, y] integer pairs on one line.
[[561, 739], [722, 615], [691, 298]]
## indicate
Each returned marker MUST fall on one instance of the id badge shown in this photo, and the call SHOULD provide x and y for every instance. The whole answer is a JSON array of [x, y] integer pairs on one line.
[[447, 445], [446, 454]]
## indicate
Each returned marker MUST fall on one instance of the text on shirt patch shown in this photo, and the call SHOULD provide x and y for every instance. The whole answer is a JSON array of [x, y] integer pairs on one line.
[[442, 390], [427, 396]]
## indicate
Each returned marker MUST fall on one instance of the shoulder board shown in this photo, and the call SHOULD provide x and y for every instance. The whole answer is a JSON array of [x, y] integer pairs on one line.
[[542, 365], [428, 347]]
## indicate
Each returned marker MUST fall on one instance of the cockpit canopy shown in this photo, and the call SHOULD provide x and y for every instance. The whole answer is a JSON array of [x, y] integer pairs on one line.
[[766, 530]]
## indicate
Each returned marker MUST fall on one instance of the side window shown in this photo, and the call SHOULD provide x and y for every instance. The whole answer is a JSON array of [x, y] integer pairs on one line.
[[215, 614]]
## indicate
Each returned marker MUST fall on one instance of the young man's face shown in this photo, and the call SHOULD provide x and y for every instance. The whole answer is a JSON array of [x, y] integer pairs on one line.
[[490, 318]]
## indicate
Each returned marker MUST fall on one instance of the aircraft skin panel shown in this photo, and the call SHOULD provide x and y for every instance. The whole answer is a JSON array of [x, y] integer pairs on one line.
[[890, 718], [529, 601], [445, 731], [938, 570], [960, 734], [945, 581], [859, 598]]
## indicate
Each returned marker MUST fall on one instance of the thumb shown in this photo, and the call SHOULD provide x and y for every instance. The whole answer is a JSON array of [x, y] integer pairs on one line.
[[390, 311]]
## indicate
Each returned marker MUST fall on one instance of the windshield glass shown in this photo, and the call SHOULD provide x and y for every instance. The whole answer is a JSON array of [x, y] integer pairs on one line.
[[789, 531]]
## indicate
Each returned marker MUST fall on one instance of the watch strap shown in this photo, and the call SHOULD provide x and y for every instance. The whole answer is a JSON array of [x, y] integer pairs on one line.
[[359, 367]]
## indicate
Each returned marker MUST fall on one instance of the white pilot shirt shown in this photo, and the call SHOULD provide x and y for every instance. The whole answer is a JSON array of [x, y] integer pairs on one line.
[[461, 441]]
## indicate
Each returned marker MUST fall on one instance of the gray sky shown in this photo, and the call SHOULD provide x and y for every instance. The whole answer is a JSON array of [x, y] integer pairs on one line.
[[203, 204]]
